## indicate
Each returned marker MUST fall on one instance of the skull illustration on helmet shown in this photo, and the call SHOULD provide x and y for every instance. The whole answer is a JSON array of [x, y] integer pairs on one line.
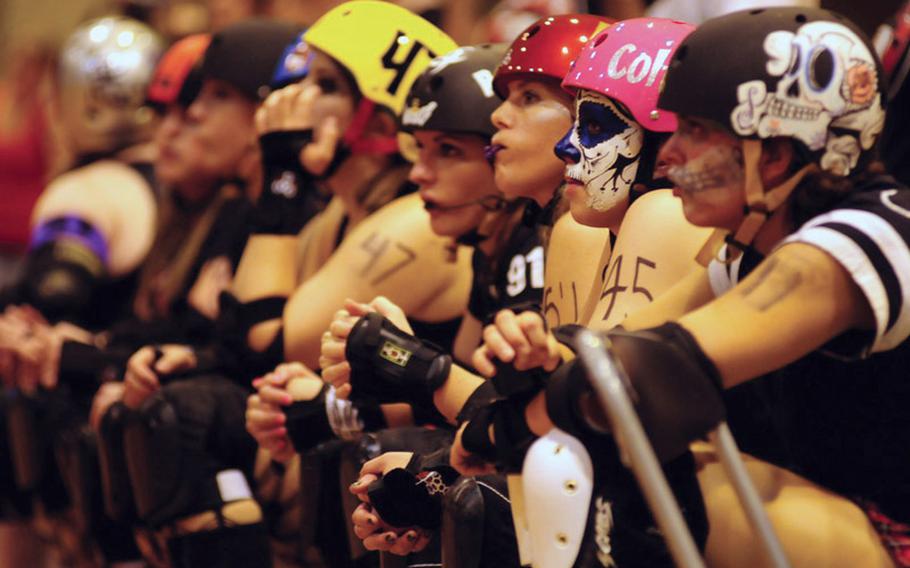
[[827, 85]]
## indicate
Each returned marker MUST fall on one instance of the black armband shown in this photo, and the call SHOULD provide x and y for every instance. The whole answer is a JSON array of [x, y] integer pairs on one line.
[[676, 389], [235, 319], [289, 195], [389, 365], [412, 496]]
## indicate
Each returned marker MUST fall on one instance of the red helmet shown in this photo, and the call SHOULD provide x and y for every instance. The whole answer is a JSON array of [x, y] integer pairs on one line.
[[171, 74], [627, 62], [547, 48]]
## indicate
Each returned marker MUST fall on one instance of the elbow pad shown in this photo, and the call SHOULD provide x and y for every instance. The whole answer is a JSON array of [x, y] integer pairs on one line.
[[67, 260], [289, 196], [389, 365], [676, 389]]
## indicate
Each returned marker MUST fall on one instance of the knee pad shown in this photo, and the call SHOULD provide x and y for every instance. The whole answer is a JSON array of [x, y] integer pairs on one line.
[[13, 501], [28, 447], [115, 478], [558, 480], [32, 423], [76, 453], [241, 546], [154, 461], [463, 524]]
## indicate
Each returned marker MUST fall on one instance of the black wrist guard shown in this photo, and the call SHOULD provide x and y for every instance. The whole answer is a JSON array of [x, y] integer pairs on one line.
[[289, 195], [412, 497], [308, 423], [389, 365], [674, 386]]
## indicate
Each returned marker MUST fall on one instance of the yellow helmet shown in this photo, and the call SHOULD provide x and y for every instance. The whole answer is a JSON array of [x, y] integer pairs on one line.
[[384, 46]]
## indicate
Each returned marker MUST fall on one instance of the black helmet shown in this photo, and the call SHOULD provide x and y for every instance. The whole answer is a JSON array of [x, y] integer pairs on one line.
[[801, 73], [245, 54], [455, 93]]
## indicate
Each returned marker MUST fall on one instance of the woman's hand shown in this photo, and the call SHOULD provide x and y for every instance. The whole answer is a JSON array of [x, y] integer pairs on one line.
[[265, 419], [291, 108], [520, 339], [148, 364], [368, 526]]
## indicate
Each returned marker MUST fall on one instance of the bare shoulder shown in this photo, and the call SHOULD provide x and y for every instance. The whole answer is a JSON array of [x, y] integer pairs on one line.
[[114, 198], [567, 232], [395, 241]]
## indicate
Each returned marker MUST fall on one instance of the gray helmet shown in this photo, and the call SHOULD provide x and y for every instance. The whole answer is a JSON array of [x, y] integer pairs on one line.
[[105, 68], [455, 93]]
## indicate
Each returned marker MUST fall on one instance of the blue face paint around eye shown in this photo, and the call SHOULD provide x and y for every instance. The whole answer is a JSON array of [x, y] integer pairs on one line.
[[598, 123]]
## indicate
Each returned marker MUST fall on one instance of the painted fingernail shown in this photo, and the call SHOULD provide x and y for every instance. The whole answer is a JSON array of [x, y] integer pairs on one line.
[[389, 538], [412, 537], [371, 521]]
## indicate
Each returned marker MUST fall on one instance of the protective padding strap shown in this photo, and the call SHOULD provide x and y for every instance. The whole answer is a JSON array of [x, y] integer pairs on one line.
[[479, 399], [389, 365], [258, 311], [115, 478], [70, 227], [510, 432], [759, 207]]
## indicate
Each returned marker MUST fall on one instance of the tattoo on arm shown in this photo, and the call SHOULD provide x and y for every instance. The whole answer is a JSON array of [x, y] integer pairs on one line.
[[776, 279]]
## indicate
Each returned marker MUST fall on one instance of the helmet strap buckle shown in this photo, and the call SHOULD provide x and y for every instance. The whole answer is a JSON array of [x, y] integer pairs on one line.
[[760, 205]]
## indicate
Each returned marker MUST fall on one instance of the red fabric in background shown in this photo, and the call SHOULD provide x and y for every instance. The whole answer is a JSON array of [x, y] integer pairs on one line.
[[23, 163]]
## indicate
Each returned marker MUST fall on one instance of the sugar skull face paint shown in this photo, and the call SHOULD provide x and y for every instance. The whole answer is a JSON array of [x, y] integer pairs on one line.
[[603, 150]]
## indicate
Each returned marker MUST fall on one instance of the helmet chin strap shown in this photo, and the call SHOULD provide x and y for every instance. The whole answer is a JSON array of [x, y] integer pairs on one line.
[[354, 134], [760, 205]]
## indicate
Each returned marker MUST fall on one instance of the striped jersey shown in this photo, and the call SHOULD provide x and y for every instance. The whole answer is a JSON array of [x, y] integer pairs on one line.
[[843, 412]]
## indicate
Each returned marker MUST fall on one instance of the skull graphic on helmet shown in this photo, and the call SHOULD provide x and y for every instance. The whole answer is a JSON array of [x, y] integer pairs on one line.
[[828, 82]]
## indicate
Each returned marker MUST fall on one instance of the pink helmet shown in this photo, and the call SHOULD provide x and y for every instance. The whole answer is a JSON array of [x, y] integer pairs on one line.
[[627, 62]]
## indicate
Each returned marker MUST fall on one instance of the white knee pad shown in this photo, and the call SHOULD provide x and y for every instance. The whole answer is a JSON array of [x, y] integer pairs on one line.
[[558, 480]]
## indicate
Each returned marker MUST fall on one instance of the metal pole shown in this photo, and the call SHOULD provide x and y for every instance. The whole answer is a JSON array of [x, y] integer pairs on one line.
[[631, 438], [735, 468]]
